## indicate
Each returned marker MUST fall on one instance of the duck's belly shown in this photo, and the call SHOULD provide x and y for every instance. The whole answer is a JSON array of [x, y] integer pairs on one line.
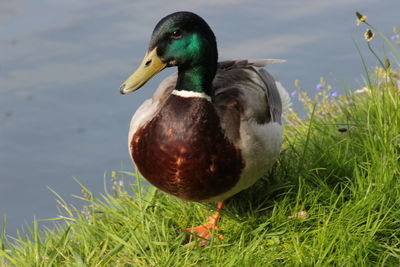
[[184, 152]]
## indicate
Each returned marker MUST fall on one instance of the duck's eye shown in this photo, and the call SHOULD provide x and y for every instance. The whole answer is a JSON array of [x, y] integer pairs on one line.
[[177, 34]]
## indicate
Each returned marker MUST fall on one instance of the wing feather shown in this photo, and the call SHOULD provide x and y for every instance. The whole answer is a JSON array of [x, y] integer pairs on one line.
[[243, 92]]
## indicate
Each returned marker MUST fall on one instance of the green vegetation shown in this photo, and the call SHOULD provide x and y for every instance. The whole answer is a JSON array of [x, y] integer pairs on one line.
[[332, 199]]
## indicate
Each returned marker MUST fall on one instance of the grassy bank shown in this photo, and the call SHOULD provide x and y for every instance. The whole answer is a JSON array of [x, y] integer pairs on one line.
[[333, 198]]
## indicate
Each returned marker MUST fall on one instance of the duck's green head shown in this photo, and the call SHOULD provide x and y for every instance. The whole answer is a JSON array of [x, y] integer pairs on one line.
[[180, 39]]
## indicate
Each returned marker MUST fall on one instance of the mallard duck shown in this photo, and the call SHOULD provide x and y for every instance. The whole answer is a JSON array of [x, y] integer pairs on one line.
[[210, 130]]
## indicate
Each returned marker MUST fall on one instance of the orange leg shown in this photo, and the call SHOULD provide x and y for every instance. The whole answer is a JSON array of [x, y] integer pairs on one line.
[[204, 231]]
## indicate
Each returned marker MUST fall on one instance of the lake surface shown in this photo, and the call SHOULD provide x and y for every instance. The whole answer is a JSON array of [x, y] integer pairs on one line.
[[62, 62]]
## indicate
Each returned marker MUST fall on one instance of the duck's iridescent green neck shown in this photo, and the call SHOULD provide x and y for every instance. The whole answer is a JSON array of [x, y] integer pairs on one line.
[[196, 79]]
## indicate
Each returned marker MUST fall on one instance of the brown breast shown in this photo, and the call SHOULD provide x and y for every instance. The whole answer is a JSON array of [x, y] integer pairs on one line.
[[184, 152]]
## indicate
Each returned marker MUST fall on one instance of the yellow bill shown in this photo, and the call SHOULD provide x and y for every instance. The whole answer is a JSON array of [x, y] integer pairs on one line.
[[150, 66]]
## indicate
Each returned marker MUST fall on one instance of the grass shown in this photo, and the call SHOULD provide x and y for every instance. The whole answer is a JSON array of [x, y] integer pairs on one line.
[[337, 177]]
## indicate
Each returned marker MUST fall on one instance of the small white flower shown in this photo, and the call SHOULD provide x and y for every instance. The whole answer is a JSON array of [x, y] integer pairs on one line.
[[362, 91]]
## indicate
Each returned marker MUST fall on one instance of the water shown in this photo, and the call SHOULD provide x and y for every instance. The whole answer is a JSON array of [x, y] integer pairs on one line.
[[61, 64]]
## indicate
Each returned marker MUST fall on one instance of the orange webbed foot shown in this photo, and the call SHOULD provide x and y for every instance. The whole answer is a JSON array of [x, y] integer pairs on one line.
[[204, 232]]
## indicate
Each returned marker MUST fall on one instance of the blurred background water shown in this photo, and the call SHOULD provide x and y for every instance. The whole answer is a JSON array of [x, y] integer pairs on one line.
[[62, 62]]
